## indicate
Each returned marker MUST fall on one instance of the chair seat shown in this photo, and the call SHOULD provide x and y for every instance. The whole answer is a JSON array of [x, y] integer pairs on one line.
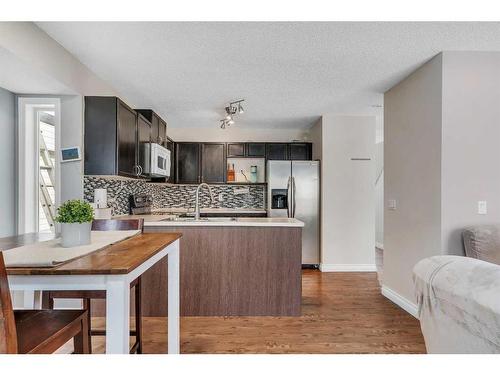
[[37, 328]]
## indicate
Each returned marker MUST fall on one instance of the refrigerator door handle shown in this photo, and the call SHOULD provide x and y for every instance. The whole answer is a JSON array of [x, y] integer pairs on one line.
[[293, 195], [288, 196]]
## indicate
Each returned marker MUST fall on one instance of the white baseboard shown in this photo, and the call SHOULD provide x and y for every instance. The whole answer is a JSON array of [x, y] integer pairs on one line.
[[399, 300], [325, 267], [379, 245]]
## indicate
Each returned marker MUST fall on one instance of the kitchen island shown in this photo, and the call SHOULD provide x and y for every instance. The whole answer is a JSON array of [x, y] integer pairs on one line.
[[230, 266]]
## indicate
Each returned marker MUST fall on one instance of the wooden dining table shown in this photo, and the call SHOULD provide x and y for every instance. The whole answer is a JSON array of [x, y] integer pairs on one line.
[[112, 269]]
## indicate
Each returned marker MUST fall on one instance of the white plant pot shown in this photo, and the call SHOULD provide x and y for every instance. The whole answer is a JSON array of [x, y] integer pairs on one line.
[[75, 234]]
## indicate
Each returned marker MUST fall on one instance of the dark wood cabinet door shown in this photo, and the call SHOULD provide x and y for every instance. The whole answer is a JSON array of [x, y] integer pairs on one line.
[[143, 138], [162, 132], [300, 151], [170, 145], [155, 129], [256, 150], [235, 150], [127, 140], [100, 136], [213, 163], [187, 161], [277, 151]]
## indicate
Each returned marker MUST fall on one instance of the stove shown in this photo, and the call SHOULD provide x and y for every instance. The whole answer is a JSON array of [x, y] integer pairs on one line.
[[140, 204]]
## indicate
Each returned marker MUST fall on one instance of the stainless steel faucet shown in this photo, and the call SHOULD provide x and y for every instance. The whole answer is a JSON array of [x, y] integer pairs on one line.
[[197, 207]]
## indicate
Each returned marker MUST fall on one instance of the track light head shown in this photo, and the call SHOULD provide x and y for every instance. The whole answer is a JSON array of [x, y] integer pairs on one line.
[[232, 109]]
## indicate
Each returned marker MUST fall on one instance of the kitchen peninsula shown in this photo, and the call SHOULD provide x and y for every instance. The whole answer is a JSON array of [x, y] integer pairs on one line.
[[232, 266]]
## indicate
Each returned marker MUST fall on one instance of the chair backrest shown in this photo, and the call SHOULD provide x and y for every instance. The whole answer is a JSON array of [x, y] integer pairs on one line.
[[483, 242], [8, 335], [125, 224]]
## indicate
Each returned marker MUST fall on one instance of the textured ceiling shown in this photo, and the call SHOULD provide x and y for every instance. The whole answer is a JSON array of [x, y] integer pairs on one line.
[[289, 73]]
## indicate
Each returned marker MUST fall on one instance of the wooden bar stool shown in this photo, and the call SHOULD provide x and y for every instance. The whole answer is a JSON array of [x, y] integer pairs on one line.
[[38, 331], [88, 295]]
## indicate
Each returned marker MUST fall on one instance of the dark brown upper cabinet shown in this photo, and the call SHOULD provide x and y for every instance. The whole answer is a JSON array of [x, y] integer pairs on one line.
[[158, 126], [162, 133], [276, 151], [143, 139], [170, 145], [187, 162], [235, 150], [110, 139], [256, 150], [300, 151], [213, 162]]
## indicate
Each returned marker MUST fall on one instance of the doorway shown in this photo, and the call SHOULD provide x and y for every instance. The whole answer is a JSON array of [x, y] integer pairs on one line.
[[38, 164]]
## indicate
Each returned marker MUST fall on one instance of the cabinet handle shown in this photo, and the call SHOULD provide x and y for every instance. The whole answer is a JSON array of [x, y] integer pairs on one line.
[[137, 168]]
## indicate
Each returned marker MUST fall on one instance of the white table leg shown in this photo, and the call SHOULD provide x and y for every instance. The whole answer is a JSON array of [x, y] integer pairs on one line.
[[117, 315], [173, 300], [29, 299]]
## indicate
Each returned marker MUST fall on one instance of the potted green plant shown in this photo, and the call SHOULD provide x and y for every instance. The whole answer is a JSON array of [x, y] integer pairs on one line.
[[76, 218]]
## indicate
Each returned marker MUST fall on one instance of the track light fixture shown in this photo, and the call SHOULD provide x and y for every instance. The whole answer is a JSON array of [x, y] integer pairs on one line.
[[234, 108]]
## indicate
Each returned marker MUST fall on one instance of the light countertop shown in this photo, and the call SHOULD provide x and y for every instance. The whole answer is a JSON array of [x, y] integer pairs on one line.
[[162, 221]]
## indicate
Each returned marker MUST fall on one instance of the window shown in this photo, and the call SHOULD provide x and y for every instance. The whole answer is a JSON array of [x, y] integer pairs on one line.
[[38, 164], [47, 172]]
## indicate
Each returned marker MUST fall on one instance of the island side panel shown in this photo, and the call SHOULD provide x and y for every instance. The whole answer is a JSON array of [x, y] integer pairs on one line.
[[236, 271]]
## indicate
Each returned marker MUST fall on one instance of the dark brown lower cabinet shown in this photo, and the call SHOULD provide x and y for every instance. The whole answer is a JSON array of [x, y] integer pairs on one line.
[[231, 271]]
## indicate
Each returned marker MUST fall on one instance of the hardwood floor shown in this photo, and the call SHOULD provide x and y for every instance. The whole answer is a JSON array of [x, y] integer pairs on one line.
[[341, 313]]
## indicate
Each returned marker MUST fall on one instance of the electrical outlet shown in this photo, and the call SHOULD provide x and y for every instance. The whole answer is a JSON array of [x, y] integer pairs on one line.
[[482, 207], [221, 197], [391, 204]]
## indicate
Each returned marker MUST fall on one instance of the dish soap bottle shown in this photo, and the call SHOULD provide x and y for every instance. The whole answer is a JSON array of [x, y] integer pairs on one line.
[[230, 173]]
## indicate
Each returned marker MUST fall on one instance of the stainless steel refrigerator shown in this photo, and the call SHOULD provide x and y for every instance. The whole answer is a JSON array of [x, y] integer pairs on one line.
[[293, 191]]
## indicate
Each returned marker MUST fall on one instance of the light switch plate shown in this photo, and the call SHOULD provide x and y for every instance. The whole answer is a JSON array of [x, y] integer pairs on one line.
[[482, 207], [391, 204]]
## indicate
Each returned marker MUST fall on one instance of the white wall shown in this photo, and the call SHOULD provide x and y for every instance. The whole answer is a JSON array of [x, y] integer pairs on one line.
[[412, 169], [236, 134], [33, 46], [23, 44], [348, 195], [442, 146], [72, 124], [316, 137], [379, 194], [7, 164], [471, 143]]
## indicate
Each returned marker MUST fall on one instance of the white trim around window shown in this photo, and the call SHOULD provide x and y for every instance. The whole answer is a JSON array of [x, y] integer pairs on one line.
[[28, 159]]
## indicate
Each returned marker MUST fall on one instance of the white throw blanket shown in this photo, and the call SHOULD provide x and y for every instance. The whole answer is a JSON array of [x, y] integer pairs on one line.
[[51, 253], [459, 304]]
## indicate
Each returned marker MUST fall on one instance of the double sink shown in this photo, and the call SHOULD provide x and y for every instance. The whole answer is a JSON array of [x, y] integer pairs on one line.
[[201, 219]]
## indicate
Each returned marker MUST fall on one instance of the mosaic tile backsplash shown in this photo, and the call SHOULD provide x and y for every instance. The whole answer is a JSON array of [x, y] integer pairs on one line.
[[171, 196]]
